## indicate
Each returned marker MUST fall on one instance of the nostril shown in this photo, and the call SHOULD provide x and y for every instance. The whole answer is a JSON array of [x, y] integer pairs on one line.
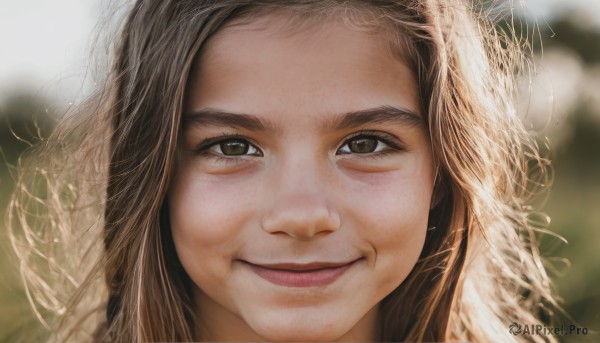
[[301, 222], [302, 236]]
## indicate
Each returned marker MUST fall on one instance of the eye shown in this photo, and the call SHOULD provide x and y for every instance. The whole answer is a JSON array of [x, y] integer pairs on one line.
[[231, 147], [364, 144]]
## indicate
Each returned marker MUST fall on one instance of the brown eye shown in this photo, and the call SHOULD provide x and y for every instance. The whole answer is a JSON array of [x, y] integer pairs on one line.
[[231, 147], [234, 148], [363, 145]]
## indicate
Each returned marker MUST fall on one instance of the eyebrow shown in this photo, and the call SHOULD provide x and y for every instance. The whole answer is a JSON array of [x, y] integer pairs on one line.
[[214, 117], [382, 115]]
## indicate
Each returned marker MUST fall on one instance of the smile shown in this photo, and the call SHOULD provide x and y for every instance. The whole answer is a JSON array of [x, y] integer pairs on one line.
[[300, 275]]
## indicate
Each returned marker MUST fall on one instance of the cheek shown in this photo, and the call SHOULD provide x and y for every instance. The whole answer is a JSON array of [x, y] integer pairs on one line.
[[396, 208], [208, 212], [207, 221], [393, 220]]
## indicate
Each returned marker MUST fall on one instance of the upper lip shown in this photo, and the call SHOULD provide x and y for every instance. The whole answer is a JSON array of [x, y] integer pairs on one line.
[[301, 266]]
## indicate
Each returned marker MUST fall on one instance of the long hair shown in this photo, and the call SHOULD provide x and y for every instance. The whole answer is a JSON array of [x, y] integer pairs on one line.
[[100, 224]]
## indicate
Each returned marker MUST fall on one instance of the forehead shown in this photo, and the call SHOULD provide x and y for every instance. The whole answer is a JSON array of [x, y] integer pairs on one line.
[[266, 64]]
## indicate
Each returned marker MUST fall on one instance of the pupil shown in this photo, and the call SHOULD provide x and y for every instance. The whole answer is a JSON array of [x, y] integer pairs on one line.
[[363, 145], [234, 148]]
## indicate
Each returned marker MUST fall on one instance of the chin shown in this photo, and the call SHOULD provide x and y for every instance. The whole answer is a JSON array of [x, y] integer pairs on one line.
[[300, 330], [305, 335]]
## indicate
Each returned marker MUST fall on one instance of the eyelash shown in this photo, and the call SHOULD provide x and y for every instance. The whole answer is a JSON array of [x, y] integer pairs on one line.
[[393, 145], [204, 147]]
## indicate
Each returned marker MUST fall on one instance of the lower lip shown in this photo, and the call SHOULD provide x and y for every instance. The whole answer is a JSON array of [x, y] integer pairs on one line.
[[292, 278]]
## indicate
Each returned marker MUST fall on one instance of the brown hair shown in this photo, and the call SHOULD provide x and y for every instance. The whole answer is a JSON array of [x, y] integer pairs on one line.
[[479, 271]]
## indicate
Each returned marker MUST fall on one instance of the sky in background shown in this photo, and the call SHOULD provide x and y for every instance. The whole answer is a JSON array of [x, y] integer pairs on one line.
[[44, 44], [588, 10]]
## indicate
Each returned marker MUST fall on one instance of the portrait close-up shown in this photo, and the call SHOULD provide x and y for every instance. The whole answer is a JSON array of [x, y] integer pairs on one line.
[[300, 171]]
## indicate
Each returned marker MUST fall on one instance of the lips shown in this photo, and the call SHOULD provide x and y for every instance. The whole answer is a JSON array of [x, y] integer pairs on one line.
[[313, 274]]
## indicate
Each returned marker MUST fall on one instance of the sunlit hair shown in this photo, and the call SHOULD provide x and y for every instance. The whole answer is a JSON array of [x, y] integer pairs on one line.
[[89, 219]]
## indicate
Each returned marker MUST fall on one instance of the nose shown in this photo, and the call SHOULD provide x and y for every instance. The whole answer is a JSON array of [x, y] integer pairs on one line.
[[302, 218], [300, 207]]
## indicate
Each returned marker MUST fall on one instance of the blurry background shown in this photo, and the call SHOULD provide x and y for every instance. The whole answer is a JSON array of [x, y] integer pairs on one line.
[[44, 68]]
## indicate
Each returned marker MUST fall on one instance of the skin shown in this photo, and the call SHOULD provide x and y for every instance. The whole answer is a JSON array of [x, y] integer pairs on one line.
[[302, 193]]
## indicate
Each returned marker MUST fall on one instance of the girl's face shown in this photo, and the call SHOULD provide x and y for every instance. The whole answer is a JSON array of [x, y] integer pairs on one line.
[[304, 182]]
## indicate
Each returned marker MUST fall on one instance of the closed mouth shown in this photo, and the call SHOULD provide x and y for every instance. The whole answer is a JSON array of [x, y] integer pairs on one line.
[[302, 267], [314, 274]]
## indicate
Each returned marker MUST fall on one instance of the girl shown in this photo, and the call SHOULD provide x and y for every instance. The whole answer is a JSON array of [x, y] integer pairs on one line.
[[291, 171]]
